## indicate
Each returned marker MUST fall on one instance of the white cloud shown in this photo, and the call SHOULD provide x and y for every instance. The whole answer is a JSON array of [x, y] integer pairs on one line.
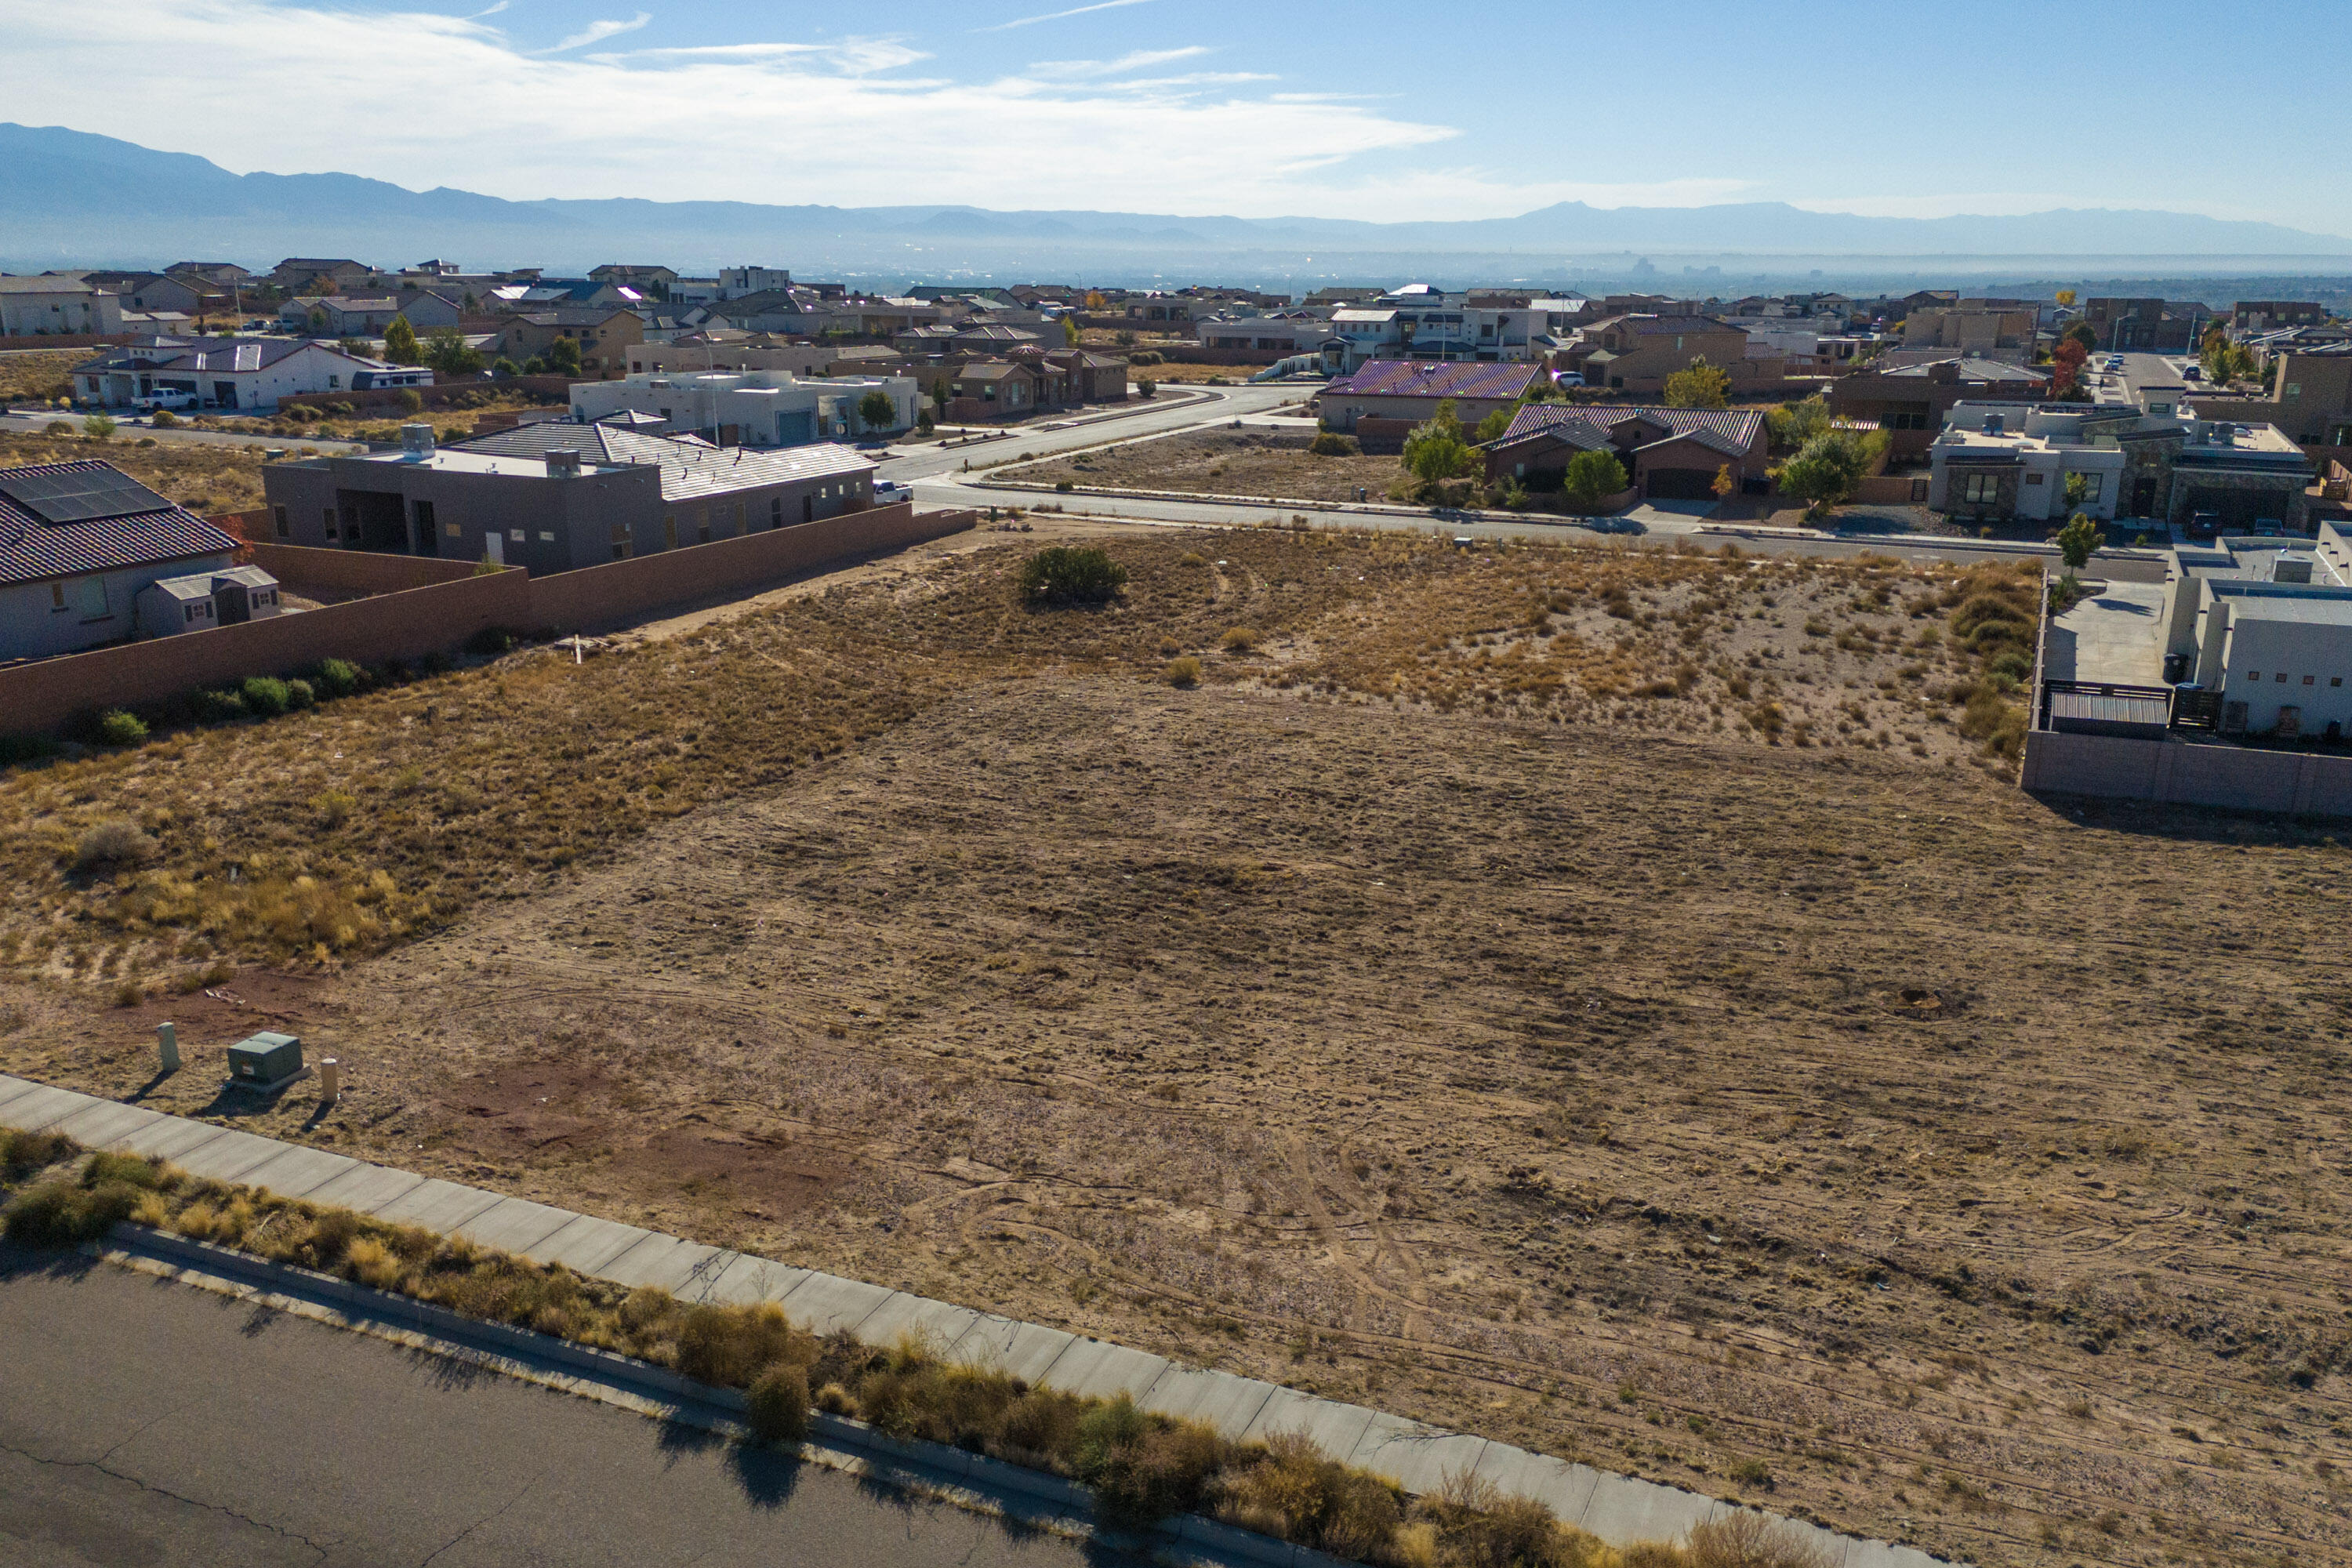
[[1137, 59], [597, 32], [772, 123], [1057, 15]]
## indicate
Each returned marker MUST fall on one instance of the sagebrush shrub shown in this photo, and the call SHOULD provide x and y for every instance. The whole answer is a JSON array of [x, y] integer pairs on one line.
[[1071, 575]]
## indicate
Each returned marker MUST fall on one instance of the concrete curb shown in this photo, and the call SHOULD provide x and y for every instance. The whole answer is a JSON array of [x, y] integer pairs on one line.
[[1620, 1509], [917, 1463]]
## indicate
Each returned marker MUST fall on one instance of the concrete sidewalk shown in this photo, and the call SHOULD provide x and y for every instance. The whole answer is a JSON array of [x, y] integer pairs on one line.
[[1618, 1509]]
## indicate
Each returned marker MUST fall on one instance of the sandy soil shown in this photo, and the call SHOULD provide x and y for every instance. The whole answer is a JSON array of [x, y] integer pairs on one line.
[[1234, 463], [1481, 1025]]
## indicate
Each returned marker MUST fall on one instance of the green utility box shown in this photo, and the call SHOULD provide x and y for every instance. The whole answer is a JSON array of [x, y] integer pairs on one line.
[[264, 1060]]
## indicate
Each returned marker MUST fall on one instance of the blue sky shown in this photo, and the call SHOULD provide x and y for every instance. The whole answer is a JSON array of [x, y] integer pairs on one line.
[[1335, 108]]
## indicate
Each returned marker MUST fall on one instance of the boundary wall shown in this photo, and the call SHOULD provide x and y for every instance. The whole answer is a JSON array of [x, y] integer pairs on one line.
[[415, 607]]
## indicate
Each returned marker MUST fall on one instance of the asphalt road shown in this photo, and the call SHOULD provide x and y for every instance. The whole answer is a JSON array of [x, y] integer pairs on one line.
[[146, 1422], [1217, 406], [127, 429]]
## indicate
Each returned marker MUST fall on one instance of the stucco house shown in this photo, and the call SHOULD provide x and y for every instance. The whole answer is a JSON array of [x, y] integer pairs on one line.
[[79, 543]]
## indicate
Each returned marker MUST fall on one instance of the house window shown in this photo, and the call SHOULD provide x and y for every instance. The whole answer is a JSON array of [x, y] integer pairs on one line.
[[187, 612], [57, 595], [330, 522], [451, 531], [2094, 486], [2253, 675], [547, 536], [2033, 479], [669, 530], [702, 526], [619, 541], [89, 599], [776, 511], [1981, 489], [2308, 680], [743, 516], [334, 383], [285, 528]]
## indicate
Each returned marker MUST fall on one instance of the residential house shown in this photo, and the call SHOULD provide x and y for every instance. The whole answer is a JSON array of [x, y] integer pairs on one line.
[[201, 601], [53, 303], [1981, 328], [1349, 294], [2310, 398], [552, 497], [753, 408], [727, 349], [2148, 326], [2264, 625], [2269, 315], [220, 274], [1411, 390], [251, 375], [1267, 334], [319, 274], [342, 316], [1636, 354], [153, 291], [561, 294], [79, 543], [1668, 454], [654, 281], [605, 337], [1995, 463], [1909, 402]]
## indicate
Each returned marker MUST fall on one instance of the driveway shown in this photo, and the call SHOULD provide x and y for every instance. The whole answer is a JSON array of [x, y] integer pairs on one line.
[[148, 1422]]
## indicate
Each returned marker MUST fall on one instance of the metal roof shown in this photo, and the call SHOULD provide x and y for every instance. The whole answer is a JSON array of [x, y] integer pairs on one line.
[[1434, 379], [33, 549]]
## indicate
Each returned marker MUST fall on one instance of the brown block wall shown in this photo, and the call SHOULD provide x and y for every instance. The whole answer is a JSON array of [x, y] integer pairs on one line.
[[41, 695], [2298, 783], [604, 595], [300, 566]]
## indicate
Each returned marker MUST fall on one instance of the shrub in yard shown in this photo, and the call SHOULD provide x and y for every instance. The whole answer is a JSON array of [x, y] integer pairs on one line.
[[113, 842], [219, 707], [116, 728], [59, 1214], [777, 1407], [1331, 444], [730, 1345], [1183, 672], [1238, 639], [23, 1153], [1071, 575], [56, 428], [265, 695], [300, 694], [1065, 484], [1737, 1541], [165, 419], [338, 677]]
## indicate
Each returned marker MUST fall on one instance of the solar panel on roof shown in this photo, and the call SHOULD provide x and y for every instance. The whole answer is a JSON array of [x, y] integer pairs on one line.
[[81, 497]]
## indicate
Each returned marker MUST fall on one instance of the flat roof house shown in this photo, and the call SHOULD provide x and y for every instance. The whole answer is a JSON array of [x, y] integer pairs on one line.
[[1999, 463], [2265, 625], [751, 408], [554, 496], [79, 543], [1910, 401]]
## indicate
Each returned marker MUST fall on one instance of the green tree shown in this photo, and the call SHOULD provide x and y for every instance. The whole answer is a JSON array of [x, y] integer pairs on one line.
[[1825, 472], [564, 357], [2078, 486], [2083, 333], [940, 395], [1071, 575], [876, 412], [504, 367], [317, 322], [1491, 429], [1701, 386], [1794, 423], [358, 348], [1070, 331], [400, 345], [98, 428], [2078, 539], [1435, 450], [448, 352], [1591, 478]]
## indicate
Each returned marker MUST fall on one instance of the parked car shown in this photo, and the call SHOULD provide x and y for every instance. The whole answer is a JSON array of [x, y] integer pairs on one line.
[[2191, 373], [165, 398], [890, 492]]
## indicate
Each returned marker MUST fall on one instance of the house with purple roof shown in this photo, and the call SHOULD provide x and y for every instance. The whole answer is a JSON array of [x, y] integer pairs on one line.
[[79, 543], [1384, 391]]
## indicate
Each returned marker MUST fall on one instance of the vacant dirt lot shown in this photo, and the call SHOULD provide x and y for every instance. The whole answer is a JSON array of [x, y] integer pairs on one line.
[[1232, 463], [1453, 1003], [27, 374]]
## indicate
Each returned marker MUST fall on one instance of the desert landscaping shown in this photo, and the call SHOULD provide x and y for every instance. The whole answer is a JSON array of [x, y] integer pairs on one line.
[[1613, 1000]]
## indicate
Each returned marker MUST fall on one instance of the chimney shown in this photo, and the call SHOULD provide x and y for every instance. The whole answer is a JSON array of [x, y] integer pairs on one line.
[[417, 439], [562, 463]]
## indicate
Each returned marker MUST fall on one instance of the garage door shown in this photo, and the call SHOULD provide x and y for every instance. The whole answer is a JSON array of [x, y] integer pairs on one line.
[[1681, 484]]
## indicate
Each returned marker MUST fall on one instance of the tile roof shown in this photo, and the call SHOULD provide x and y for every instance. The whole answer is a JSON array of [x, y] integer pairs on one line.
[[215, 354], [1652, 326], [1434, 379], [1732, 431], [33, 549], [688, 467]]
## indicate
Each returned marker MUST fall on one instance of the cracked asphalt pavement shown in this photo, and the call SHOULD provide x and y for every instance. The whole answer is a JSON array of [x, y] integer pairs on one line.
[[147, 1421]]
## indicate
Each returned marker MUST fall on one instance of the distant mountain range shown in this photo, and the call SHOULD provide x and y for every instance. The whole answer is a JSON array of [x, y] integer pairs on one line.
[[70, 198]]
